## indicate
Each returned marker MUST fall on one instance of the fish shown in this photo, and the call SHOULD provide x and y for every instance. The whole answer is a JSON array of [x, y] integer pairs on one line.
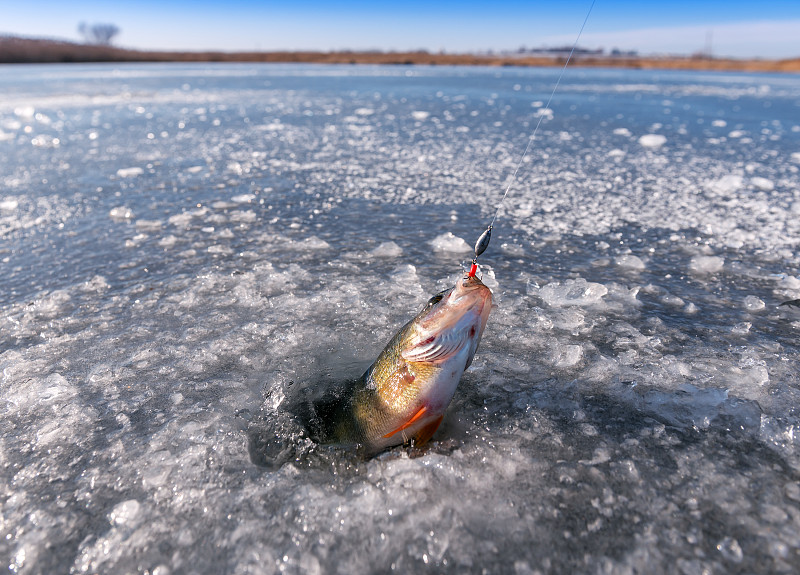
[[402, 396]]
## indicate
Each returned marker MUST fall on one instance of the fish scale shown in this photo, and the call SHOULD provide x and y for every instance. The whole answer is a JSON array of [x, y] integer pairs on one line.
[[399, 399]]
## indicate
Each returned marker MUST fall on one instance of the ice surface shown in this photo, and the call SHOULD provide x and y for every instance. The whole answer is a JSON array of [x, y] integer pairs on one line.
[[210, 249]]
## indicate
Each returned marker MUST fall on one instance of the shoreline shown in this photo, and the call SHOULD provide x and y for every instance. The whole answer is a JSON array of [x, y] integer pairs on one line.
[[15, 50]]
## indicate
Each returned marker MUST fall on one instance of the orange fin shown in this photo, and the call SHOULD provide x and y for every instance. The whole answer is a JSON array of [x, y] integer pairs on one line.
[[411, 421], [424, 434]]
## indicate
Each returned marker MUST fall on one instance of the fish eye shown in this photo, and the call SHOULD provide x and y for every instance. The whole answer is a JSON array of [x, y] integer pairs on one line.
[[437, 298]]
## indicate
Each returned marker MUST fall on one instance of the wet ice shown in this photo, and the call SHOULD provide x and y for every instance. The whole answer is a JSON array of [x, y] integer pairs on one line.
[[188, 251]]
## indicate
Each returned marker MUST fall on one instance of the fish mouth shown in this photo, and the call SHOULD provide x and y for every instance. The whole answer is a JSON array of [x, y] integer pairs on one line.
[[467, 299], [467, 287], [469, 282]]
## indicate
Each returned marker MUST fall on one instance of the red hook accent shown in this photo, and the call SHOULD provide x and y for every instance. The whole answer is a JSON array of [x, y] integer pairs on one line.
[[473, 270]]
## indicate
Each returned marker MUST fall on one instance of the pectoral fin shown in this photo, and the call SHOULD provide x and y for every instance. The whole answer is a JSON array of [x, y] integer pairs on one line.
[[424, 434], [410, 422], [436, 348]]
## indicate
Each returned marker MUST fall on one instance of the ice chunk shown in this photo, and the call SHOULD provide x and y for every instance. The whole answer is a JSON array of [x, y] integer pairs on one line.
[[315, 244], [9, 205], [148, 225], [564, 356], [673, 300], [726, 184], [706, 264], [688, 406], [796, 157], [45, 141], [449, 243], [387, 250], [741, 328], [577, 292], [631, 262], [181, 220], [168, 241], [125, 513], [622, 132], [653, 141], [753, 303], [246, 216], [130, 172], [762, 184], [26, 112], [97, 284], [779, 433], [569, 320], [121, 213], [730, 549], [420, 115], [53, 305], [719, 123]]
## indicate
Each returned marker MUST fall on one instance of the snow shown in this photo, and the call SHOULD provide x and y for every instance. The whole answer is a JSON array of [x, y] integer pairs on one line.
[[161, 334]]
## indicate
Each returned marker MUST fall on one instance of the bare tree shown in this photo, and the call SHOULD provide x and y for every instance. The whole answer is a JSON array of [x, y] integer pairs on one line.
[[101, 34]]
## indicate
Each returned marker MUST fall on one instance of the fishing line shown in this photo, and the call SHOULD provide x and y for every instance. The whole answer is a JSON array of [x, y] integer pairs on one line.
[[483, 240]]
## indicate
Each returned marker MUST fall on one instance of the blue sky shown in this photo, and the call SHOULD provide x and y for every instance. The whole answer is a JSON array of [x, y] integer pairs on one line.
[[736, 28]]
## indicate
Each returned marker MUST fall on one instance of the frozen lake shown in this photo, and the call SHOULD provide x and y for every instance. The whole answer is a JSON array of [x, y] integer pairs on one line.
[[187, 251]]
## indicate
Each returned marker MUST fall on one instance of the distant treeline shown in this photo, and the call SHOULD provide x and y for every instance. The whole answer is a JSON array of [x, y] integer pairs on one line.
[[14, 50]]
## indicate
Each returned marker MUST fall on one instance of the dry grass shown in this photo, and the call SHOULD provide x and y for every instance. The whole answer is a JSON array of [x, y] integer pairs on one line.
[[23, 50]]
